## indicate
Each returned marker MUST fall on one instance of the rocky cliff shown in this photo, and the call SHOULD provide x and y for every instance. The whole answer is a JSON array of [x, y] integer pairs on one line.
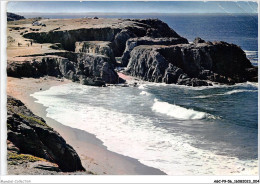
[[195, 64], [88, 50], [96, 47], [35, 140], [116, 31], [88, 69], [134, 42]]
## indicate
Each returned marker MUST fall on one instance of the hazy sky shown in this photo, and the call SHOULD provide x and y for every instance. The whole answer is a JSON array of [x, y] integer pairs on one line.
[[133, 7]]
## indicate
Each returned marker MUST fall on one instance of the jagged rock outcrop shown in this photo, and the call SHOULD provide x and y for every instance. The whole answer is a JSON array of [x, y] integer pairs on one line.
[[89, 69], [31, 135], [96, 47], [156, 28], [134, 42], [39, 66], [95, 66], [191, 64], [117, 34], [90, 49], [13, 17]]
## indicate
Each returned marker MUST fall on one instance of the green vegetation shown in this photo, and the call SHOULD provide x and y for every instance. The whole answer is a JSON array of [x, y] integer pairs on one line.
[[12, 102], [33, 119], [12, 157]]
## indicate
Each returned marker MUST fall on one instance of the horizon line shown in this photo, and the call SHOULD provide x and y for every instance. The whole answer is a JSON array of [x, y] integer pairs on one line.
[[124, 13]]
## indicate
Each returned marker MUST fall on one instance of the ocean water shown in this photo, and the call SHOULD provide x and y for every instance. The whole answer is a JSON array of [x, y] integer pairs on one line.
[[178, 129]]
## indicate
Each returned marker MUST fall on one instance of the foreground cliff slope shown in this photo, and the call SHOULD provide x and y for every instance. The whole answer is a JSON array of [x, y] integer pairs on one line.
[[30, 139]]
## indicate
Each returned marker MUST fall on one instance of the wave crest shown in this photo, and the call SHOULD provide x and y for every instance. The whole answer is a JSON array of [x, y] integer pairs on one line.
[[176, 111]]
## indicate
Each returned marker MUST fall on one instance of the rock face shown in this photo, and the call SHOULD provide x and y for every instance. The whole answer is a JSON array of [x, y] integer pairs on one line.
[[87, 67], [31, 135], [191, 64], [134, 42], [117, 34], [149, 49], [13, 17], [96, 66], [39, 66], [96, 47]]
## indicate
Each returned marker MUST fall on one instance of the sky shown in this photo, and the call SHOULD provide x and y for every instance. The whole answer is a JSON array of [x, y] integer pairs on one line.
[[246, 7]]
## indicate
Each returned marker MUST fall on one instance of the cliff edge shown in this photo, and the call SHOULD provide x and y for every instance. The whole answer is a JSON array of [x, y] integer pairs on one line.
[[88, 50]]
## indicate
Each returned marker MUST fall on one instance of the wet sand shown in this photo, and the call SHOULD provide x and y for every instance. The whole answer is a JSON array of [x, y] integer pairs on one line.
[[94, 155]]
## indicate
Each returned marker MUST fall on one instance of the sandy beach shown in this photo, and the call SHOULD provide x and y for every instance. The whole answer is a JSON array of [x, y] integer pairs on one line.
[[94, 155]]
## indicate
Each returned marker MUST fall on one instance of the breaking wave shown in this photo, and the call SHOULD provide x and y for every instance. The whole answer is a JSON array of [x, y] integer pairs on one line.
[[176, 111]]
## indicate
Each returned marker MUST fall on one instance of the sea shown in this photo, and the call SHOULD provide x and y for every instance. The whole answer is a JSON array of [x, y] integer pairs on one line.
[[180, 130]]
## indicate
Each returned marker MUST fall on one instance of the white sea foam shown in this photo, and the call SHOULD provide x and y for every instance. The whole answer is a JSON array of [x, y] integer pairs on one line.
[[145, 93], [238, 91], [251, 52], [198, 88], [142, 86], [204, 96], [252, 56], [137, 136], [245, 84], [254, 84], [176, 111], [226, 93]]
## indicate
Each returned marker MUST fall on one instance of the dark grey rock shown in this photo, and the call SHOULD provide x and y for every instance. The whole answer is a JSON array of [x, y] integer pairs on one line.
[[172, 74], [96, 47], [117, 34], [134, 42], [92, 82], [94, 66], [198, 40], [87, 65], [31, 135], [191, 63]]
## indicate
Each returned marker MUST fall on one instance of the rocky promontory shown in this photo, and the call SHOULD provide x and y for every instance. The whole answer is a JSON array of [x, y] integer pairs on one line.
[[194, 64], [13, 17], [88, 50], [30, 139]]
